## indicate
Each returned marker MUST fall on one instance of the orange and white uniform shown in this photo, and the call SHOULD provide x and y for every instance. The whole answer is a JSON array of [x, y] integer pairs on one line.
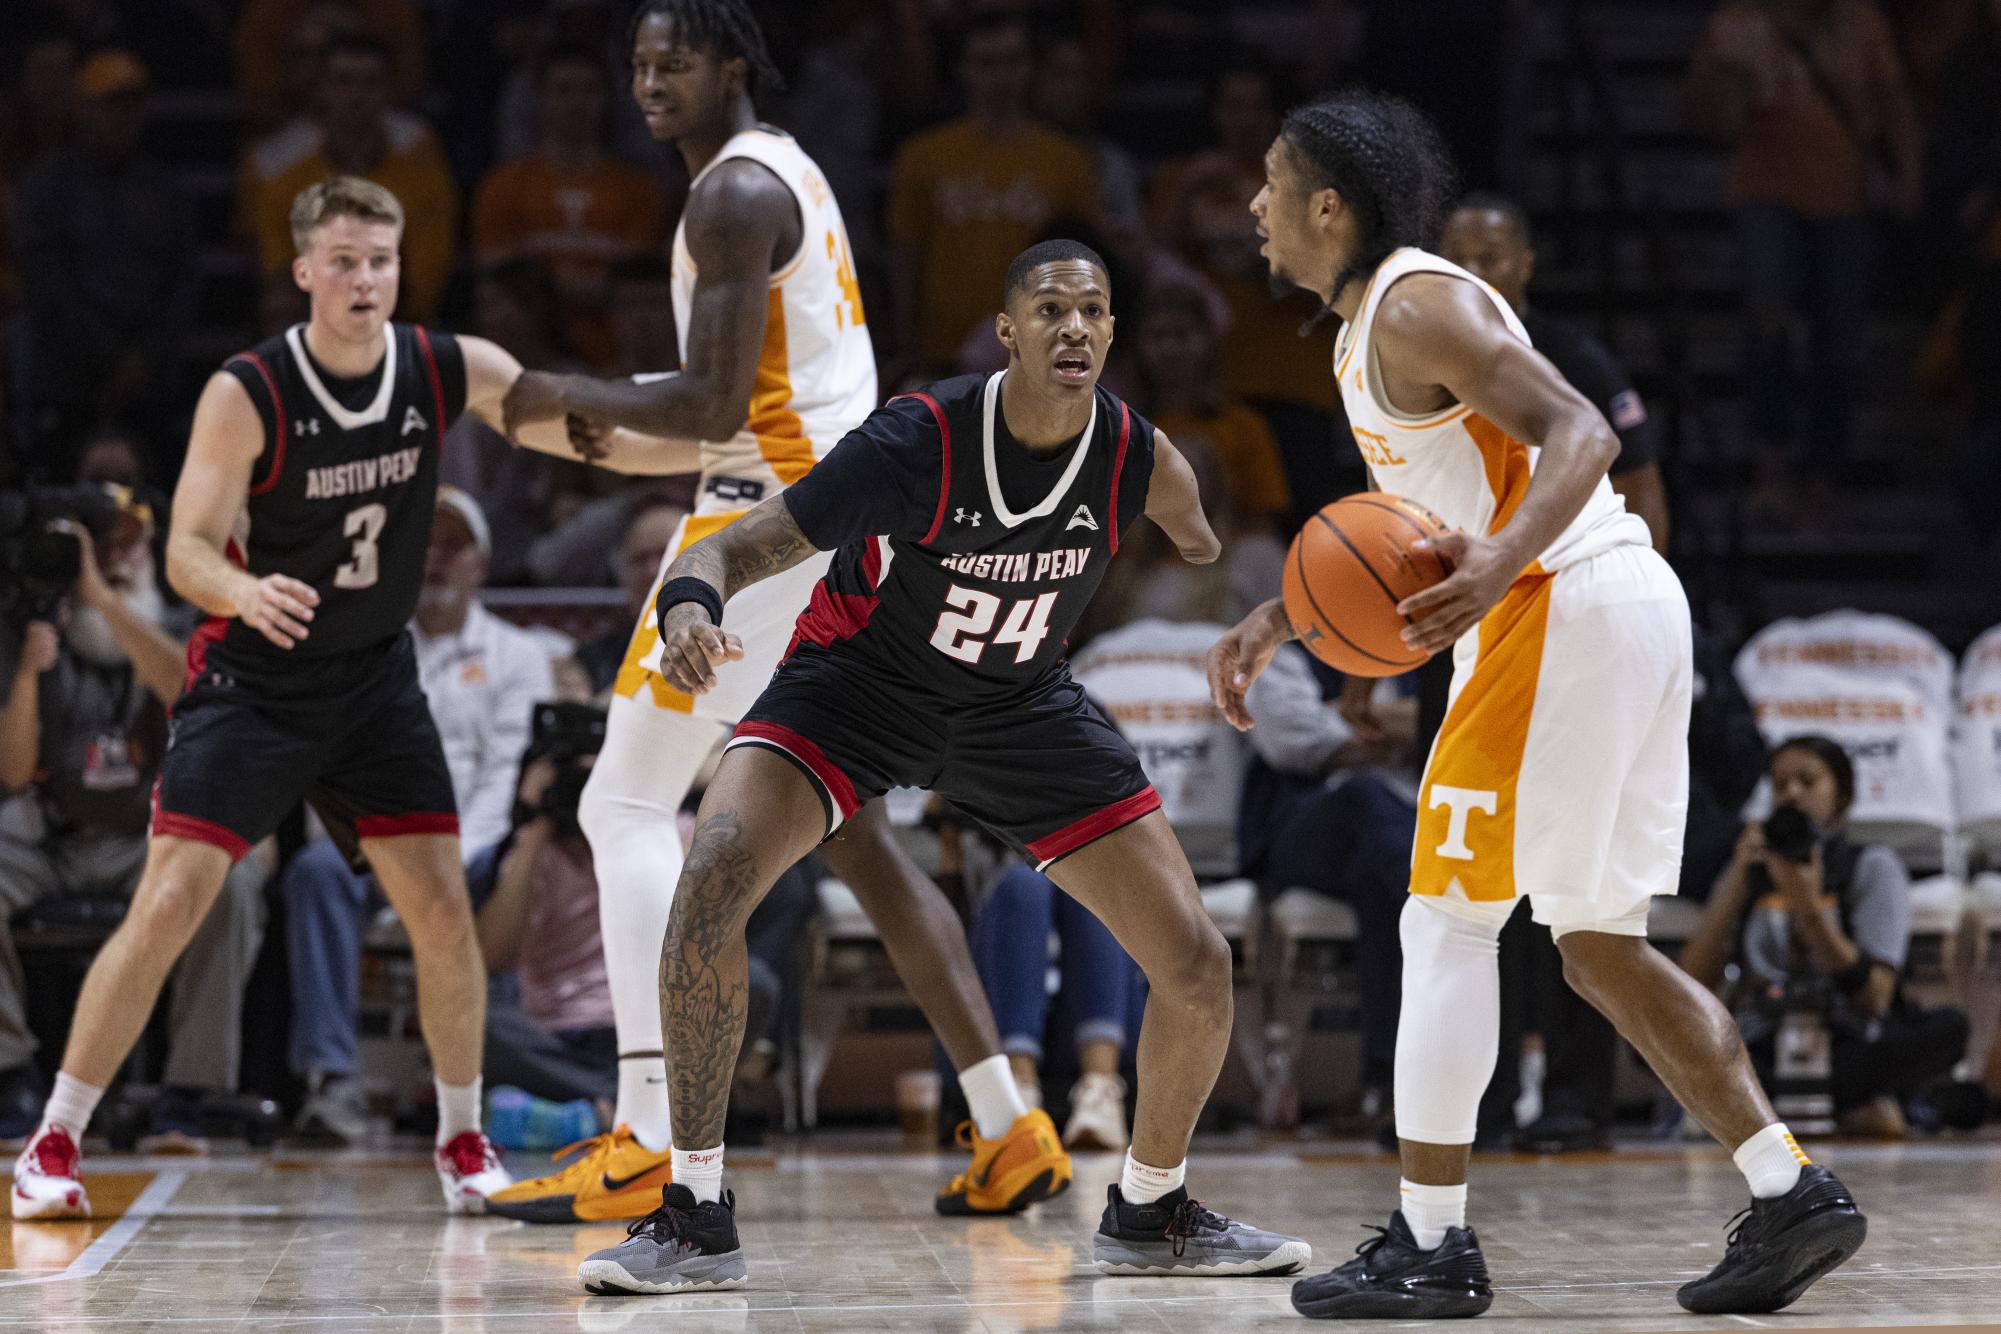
[[1561, 769], [815, 383]]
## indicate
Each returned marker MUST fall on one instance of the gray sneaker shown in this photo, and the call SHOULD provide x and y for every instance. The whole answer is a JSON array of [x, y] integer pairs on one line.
[[679, 1247], [335, 1114], [1176, 1235]]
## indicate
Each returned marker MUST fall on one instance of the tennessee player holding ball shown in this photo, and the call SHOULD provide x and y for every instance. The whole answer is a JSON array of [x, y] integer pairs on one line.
[[1561, 770]]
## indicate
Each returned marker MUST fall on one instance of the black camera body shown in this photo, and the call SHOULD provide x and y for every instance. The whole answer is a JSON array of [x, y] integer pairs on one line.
[[39, 559], [1791, 834], [570, 736]]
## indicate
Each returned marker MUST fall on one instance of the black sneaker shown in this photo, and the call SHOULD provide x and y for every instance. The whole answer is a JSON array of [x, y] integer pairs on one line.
[[1176, 1235], [680, 1247], [1780, 1247], [1391, 1279]]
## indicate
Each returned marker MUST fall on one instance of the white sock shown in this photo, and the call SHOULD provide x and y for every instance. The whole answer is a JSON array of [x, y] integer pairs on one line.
[[1430, 1210], [1143, 1185], [71, 1104], [642, 1100], [700, 1170], [458, 1108], [648, 763], [1450, 1029], [992, 1095], [1771, 1161]]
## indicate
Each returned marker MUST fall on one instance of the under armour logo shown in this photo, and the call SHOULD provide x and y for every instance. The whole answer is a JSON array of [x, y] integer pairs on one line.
[[306, 426], [1082, 519], [413, 420], [967, 516]]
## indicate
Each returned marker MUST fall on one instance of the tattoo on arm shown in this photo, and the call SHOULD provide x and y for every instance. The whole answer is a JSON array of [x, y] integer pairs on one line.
[[705, 977], [762, 543]]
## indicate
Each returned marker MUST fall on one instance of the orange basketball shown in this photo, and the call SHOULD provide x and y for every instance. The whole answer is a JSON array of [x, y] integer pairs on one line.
[[1347, 571]]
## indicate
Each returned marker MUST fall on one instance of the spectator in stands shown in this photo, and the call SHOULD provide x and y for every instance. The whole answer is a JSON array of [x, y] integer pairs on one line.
[[570, 203], [1179, 346], [1068, 98], [84, 725], [967, 196], [1812, 100], [1330, 806], [104, 240], [650, 525], [1199, 207], [483, 677], [639, 309], [277, 43], [1489, 235], [354, 130], [1834, 928]]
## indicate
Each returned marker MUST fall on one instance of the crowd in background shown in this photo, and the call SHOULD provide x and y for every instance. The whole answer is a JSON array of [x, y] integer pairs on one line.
[[954, 135]]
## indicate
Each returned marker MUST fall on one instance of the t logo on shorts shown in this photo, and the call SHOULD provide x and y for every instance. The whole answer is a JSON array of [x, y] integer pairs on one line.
[[1461, 802]]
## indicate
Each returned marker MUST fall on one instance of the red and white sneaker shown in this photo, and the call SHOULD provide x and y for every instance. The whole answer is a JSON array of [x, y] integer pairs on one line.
[[469, 1170], [48, 1177]]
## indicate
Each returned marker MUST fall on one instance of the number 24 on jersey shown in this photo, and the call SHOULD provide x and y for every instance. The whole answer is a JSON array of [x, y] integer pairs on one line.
[[962, 633]]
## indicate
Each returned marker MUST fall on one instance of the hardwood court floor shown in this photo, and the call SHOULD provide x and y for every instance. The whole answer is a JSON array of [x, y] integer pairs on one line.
[[848, 1240]]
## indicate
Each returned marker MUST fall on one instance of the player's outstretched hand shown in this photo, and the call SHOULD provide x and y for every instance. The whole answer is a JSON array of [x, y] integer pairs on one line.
[[534, 396], [1482, 572], [1240, 656], [692, 647], [279, 608]]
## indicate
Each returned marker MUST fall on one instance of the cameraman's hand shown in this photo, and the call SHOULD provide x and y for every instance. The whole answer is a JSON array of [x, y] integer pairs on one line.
[[278, 607], [1750, 849], [1800, 882], [91, 587], [535, 781], [692, 647], [39, 649]]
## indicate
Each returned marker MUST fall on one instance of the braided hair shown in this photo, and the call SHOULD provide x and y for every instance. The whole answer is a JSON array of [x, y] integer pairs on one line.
[[726, 28], [1387, 161]]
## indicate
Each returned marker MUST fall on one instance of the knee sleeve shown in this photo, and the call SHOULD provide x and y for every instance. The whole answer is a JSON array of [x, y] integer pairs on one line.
[[628, 812], [1451, 1022]]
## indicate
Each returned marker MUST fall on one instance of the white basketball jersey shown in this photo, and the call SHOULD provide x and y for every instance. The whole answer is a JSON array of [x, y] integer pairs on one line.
[[1455, 462], [816, 371]]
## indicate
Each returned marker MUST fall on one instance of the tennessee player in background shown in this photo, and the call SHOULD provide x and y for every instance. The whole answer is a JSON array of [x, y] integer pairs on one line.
[[300, 525], [776, 365], [1561, 771]]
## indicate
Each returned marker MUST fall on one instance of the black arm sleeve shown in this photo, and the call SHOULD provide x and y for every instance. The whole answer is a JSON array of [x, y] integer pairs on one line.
[[883, 478]]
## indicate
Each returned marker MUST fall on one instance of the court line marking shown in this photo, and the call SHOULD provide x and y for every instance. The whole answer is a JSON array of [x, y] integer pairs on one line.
[[101, 1252]]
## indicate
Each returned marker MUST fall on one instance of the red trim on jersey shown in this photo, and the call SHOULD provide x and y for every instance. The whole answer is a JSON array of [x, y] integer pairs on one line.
[[398, 826], [211, 630], [1095, 826], [944, 461], [437, 381], [278, 412], [799, 748], [831, 616], [1118, 466], [171, 824]]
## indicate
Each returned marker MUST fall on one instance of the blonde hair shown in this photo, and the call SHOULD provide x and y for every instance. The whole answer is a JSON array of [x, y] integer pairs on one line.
[[337, 197]]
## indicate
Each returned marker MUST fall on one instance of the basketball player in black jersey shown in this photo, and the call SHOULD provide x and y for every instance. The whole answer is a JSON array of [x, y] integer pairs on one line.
[[971, 523], [300, 525]]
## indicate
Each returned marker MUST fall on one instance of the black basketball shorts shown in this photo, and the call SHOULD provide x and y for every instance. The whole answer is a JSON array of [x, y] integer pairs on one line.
[[1041, 768], [352, 733]]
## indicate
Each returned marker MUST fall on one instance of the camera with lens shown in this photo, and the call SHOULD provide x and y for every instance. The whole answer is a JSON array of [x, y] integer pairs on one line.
[[569, 736], [40, 543], [1791, 834]]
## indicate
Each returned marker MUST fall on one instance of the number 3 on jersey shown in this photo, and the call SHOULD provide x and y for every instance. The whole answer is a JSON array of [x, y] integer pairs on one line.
[[960, 634], [364, 525]]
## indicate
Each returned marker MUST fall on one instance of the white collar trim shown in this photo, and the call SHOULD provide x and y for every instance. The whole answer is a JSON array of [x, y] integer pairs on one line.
[[375, 412], [990, 399]]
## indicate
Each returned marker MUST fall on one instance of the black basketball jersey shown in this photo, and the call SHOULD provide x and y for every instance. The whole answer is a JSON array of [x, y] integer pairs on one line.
[[343, 495], [963, 560]]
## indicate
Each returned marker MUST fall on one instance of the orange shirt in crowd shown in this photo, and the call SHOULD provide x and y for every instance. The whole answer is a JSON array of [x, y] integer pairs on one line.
[[967, 204], [1245, 447], [265, 69], [413, 169], [580, 220]]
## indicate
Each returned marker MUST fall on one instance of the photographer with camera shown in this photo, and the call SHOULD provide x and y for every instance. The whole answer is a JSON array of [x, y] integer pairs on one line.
[[92, 672], [1817, 928]]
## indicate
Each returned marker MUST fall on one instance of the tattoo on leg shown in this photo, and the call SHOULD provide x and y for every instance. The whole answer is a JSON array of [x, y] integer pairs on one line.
[[704, 982]]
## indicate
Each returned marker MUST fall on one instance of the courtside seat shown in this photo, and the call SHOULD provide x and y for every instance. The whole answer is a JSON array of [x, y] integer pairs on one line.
[[1310, 958], [1671, 921], [1233, 906], [847, 972], [1935, 966]]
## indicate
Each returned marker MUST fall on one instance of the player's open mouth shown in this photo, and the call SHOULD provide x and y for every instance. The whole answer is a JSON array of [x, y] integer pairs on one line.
[[1073, 365]]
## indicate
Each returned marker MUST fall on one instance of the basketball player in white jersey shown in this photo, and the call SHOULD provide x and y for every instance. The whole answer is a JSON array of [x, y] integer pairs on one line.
[[776, 365], [1561, 770]]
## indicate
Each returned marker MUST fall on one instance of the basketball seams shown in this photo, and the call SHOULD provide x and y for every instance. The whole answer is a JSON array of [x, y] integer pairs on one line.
[[1372, 500], [1361, 560], [1326, 622]]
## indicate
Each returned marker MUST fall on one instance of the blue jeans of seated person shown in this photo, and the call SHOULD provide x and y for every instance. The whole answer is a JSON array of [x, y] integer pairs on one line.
[[1352, 842], [1010, 945], [327, 909]]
